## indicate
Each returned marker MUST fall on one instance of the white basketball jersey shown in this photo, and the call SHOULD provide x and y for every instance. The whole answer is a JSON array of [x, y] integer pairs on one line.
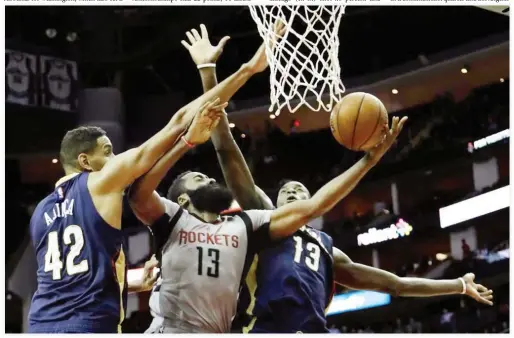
[[155, 308], [202, 266]]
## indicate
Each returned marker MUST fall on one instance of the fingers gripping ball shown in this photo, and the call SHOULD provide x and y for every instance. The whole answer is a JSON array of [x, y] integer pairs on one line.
[[359, 121]]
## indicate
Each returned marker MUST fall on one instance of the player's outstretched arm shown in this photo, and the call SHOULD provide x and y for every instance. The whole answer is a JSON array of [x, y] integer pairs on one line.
[[290, 217], [228, 87], [362, 277], [124, 168], [135, 162], [233, 165], [144, 200]]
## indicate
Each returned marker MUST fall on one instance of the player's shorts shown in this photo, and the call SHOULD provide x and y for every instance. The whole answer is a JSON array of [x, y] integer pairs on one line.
[[69, 328], [173, 326], [155, 325]]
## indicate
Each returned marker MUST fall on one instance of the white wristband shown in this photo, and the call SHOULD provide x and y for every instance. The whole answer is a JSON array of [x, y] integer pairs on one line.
[[464, 288], [206, 65]]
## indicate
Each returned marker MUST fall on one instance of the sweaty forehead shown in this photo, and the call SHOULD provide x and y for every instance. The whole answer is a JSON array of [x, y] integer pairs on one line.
[[193, 175], [293, 185]]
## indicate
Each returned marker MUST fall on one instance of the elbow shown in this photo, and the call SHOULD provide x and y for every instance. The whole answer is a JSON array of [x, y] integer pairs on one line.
[[179, 121], [136, 195], [398, 288], [314, 209]]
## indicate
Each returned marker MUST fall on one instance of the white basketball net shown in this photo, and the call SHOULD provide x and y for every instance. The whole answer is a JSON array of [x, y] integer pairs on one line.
[[305, 61]]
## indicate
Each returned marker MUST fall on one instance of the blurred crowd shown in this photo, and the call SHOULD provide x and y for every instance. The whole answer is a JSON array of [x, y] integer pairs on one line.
[[453, 315], [438, 130]]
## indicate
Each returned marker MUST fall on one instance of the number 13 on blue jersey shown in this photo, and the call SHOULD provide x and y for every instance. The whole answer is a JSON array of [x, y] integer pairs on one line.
[[310, 254]]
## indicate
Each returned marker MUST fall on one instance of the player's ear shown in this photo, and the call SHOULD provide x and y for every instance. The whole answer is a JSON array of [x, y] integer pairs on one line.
[[83, 161], [183, 200]]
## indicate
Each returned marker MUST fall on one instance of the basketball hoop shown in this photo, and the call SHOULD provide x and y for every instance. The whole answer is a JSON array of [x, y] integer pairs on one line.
[[305, 62]]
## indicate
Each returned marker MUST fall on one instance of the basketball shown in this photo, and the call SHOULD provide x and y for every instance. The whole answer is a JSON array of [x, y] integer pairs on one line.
[[357, 121]]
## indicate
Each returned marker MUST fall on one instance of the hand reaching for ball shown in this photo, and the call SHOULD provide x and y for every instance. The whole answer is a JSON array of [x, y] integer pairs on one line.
[[378, 151], [205, 121]]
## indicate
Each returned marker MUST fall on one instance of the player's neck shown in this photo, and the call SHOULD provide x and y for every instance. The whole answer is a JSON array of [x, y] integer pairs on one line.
[[65, 178], [207, 217]]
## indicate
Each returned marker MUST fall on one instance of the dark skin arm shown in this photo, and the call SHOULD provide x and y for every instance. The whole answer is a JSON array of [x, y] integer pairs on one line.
[[290, 217], [362, 277], [233, 165], [144, 200]]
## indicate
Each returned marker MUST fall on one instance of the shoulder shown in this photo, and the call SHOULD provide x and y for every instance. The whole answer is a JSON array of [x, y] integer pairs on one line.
[[258, 218], [325, 236], [172, 208]]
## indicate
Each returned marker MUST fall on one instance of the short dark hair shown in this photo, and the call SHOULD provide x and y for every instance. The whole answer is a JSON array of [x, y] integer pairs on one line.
[[79, 140], [283, 182], [177, 188]]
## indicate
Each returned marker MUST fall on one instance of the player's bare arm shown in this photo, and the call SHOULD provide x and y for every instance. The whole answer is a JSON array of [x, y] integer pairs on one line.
[[137, 161], [228, 87], [362, 277], [234, 167], [290, 217], [144, 200]]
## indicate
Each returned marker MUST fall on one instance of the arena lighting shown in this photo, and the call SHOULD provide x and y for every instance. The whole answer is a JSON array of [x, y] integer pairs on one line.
[[441, 256], [55, 160], [474, 207], [51, 33], [483, 142], [243, 135], [272, 116], [394, 91], [464, 70], [394, 231], [71, 36], [502, 80], [231, 125], [357, 300]]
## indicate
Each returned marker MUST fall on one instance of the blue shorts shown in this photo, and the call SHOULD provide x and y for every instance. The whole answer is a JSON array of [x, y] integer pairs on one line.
[[60, 327]]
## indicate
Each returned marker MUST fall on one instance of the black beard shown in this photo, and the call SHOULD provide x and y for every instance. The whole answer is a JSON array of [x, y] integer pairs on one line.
[[213, 198]]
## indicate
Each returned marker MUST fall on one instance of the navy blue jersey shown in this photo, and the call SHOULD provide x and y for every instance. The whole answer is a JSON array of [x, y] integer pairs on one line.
[[288, 286], [81, 274]]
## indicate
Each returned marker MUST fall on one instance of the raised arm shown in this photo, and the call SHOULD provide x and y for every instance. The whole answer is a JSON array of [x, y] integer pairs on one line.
[[361, 277], [136, 161], [290, 217], [228, 87], [233, 165], [144, 201]]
